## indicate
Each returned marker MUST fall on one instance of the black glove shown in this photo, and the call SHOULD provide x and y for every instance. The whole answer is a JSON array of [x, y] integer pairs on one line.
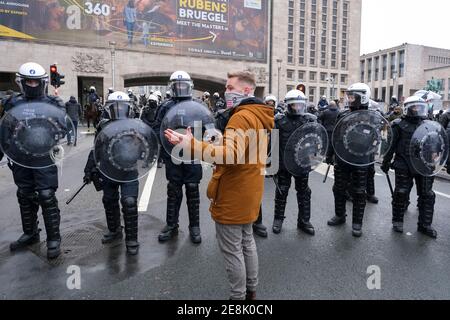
[[87, 178], [385, 167], [329, 160]]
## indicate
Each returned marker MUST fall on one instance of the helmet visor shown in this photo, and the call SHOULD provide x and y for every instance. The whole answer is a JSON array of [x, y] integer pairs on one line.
[[297, 108], [119, 110], [181, 89], [417, 109]]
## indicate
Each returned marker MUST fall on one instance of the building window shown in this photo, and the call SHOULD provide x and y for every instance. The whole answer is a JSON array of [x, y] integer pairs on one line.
[[369, 70], [290, 57], [393, 64], [344, 35], [400, 92], [377, 68], [363, 70], [312, 94], [383, 94], [323, 76], [384, 75], [323, 91], [301, 51], [313, 21], [343, 79], [312, 76], [301, 75], [290, 74], [375, 94], [401, 64]]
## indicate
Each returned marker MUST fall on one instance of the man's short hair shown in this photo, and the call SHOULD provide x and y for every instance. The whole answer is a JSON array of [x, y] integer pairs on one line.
[[247, 77]]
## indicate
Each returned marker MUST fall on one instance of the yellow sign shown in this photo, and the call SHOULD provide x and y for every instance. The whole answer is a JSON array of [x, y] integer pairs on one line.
[[7, 32]]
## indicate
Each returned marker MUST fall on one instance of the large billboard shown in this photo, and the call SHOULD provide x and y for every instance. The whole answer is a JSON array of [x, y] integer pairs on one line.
[[235, 29]]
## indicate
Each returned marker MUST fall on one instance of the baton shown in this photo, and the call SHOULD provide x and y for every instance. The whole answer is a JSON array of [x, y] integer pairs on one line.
[[390, 184], [276, 184], [326, 175], [76, 193]]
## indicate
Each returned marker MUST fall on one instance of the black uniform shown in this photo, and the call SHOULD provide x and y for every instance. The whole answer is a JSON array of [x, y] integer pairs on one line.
[[219, 104], [37, 187], [189, 175], [328, 120], [403, 130], [129, 192], [444, 120], [287, 125], [347, 176]]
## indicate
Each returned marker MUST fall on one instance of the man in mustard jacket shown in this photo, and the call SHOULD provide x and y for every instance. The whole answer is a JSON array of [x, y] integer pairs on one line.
[[237, 186]]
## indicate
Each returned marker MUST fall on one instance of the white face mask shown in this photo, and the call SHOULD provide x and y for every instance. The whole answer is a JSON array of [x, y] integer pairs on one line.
[[234, 99]]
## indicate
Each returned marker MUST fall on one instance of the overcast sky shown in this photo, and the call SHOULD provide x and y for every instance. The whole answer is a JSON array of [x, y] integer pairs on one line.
[[389, 23]]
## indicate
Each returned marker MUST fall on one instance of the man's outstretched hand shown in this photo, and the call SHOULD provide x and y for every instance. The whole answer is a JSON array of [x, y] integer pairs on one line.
[[176, 138]]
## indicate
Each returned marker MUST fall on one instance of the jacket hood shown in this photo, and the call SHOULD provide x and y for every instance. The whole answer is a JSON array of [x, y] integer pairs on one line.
[[263, 112], [73, 99]]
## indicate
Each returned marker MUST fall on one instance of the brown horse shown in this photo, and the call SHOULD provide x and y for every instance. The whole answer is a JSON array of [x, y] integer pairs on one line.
[[91, 113]]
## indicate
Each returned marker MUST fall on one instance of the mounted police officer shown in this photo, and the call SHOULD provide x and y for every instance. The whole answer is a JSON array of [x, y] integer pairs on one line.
[[409, 166], [190, 175], [36, 186], [347, 174], [296, 116], [114, 135]]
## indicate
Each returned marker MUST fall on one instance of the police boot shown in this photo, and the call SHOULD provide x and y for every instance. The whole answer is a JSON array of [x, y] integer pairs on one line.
[[359, 205], [304, 209], [340, 217], [258, 228], [130, 218], [370, 190], [50, 211], [426, 215], [28, 211], [398, 212], [280, 206], [112, 211], [372, 199], [174, 197], [193, 204]]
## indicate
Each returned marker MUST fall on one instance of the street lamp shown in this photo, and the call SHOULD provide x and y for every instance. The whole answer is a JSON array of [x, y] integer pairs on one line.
[[112, 44], [279, 61]]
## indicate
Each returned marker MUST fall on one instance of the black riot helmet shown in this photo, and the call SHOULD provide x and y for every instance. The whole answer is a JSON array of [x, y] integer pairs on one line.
[[119, 106]]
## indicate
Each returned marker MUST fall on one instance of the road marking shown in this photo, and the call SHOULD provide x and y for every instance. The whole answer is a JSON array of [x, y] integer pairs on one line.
[[442, 194], [322, 169], [147, 192]]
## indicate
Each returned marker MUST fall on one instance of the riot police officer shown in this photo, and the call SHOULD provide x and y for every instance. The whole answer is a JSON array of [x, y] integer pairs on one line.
[[93, 97], [406, 172], [36, 187], [190, 175], [118, 108], [295, 117], [358, 96], [219, 103], [271, 100]]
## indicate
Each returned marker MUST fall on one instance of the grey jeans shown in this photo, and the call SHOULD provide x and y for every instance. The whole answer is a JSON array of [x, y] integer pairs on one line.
[[241, 258]]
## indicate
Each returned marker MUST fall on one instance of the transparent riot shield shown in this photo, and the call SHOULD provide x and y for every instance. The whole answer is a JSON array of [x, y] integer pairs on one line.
[[306, 149], [362, 137], [126, 150], [189, 114], [34, 135], [429, 149]]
